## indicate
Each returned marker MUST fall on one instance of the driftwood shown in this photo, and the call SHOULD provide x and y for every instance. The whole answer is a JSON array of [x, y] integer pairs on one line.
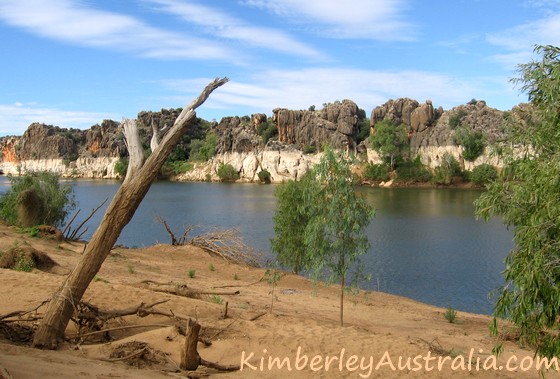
[[19, 314], [242, 285], [174, 240], [190, 359], [90, 311], [183, 290], [224, 243], [257, 316]]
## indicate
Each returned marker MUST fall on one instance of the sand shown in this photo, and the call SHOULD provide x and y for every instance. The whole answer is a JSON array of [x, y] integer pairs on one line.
[[303, 329]]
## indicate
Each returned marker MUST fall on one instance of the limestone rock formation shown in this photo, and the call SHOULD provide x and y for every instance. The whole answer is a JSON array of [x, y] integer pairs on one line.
[[416, 116], [237, 135], [105, 140], [336, 124], [42, 141]]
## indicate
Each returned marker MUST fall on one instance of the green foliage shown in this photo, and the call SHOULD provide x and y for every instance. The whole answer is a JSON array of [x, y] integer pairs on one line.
[[364, 130], [483, 174], [216, 299], [447, 171], [527, 200], [450, 315], [389, 140], [291, 216], [308, 149], [456, 118], [267, 130], [180, 167], [473, 143], [24, 263], [327, 240], [264, 176], [211, 267], [377, 172], [227, 173], [203, 150], [311, 108], [192, 273], [413, 172], [51, 201], [121, 167], [272, 276], [33, 231]]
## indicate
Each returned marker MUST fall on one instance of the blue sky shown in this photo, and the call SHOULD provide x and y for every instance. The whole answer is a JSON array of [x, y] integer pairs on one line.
[[73, 63]]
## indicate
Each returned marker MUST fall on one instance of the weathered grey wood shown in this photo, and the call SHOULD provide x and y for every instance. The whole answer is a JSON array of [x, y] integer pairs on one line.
[[119, 213], [134, 147]]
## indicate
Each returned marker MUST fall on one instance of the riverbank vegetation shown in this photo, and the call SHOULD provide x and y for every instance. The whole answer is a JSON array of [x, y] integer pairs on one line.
[[325, 240], [526, 197], [36, 199]]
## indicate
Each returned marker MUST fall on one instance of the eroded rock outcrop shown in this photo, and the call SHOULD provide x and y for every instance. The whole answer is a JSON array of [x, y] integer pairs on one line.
[[238, 135], [418, 117], [336, 124]]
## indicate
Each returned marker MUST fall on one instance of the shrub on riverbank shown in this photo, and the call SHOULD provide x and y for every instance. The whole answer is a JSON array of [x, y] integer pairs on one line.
[[413, 172], [264, 176], [227, 173], [377, 172], [35, 199], [483, 174]]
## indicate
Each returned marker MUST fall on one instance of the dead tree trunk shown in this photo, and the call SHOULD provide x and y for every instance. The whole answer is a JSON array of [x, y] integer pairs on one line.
[[127, 199], [189, 357]]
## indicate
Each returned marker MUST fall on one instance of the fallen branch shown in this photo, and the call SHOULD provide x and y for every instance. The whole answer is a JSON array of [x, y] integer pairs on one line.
[[221, 330], [183, 290], [124, 327], [22, 313], [241, 285], [141, 310], [257, 316]]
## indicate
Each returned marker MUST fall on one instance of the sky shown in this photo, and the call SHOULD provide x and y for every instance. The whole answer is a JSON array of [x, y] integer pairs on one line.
[[74, 63]]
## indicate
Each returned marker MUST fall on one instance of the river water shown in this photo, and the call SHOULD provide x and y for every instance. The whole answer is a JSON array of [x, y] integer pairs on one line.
[[425, 243]]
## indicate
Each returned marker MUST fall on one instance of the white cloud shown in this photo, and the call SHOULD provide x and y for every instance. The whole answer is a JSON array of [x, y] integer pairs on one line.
[[367, 19], [228, 27], [70, 21], [298, 89], [15, 118], [518, 42]]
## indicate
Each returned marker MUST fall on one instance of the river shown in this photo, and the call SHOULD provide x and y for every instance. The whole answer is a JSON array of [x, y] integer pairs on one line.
[[425, 243]]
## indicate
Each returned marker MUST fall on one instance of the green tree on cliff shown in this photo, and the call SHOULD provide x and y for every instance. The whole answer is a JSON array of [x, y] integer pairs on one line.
[[389, 140], [326, 220], [527, 199]]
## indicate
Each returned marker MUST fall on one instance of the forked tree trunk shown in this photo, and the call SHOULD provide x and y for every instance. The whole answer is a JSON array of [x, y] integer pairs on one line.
[[127, 199]]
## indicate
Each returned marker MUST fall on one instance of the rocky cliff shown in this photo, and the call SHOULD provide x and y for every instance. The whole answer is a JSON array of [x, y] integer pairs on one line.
[[336, 124], [255, 143]]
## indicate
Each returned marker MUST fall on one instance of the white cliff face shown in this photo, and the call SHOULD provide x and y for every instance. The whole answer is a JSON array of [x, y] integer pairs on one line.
[[283, 165], [97, 168], [432, 156]]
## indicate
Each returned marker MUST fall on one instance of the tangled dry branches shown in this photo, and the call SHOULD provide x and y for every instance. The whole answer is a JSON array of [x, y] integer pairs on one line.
[[224, 243]]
